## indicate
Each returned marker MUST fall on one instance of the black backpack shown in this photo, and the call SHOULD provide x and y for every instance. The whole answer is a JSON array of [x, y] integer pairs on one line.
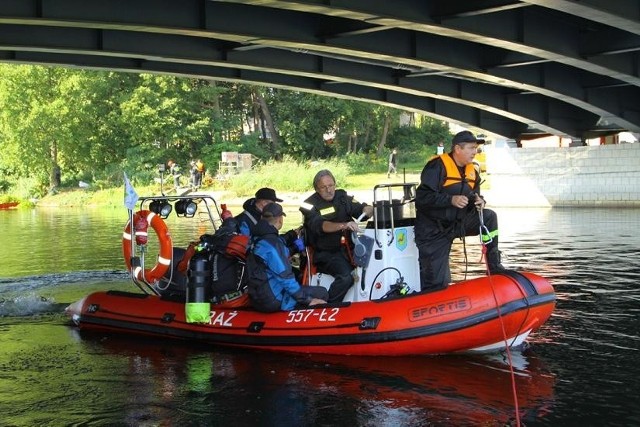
[[257, 282], [226, 249], [226, 274]]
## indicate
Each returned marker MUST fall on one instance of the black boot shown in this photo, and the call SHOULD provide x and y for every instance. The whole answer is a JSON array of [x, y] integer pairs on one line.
[[493, 261]]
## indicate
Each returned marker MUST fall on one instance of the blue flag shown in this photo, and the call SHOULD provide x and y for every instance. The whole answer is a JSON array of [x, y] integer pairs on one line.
[[130, 195]]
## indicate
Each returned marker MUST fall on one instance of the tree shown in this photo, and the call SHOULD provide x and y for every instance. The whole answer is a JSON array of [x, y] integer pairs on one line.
[[64, 125], [42, 120]]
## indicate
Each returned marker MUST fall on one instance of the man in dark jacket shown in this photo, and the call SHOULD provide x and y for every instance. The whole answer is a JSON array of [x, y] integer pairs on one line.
[[248, 219], [448, 201], [286, 292], [328, 222]]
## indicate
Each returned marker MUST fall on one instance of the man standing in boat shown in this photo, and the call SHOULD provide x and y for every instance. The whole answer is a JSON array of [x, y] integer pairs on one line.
[[447, 202], [328, 221]]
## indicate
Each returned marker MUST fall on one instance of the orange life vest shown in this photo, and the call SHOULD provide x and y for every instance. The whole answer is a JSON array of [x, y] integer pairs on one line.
[[453, 173]]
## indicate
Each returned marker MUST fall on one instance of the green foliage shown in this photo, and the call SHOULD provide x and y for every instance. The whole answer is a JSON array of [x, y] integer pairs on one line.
[[414, 139], [6, 198], [252, 143], [287, 175], [365, 162], [4, 185], [94, 125], [302, 121], [27, 188]]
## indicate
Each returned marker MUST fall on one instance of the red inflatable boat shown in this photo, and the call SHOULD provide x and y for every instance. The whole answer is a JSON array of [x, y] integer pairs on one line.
[[479, 315], [467, 316]]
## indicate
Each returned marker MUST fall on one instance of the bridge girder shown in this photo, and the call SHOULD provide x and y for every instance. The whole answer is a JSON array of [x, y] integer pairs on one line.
[[508, 67]]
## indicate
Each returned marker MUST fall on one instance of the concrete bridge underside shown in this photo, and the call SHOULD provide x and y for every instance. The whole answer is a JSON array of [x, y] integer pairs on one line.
[[511, 68]]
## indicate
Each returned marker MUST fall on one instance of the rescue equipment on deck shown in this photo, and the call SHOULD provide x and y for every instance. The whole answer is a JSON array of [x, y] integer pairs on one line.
[[141, 225], [134, 266], [226, 213], [198, 306]]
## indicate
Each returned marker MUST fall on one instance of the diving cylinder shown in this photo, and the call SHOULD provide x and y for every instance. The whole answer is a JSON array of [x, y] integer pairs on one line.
[[198, 305]]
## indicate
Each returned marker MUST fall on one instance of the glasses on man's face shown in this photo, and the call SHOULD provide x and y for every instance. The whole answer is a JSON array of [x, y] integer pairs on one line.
[[327, 187]]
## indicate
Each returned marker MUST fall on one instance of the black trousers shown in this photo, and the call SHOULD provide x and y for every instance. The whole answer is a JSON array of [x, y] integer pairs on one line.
[[318, 292], [337, 265], [434, 245]]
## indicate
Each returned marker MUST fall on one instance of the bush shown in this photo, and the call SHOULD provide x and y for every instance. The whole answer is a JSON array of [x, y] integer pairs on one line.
[[366, 163], [26, 188], [286, 175]]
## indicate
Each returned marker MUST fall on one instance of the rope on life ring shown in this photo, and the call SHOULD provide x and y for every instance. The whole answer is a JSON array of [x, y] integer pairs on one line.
[[154, 274]]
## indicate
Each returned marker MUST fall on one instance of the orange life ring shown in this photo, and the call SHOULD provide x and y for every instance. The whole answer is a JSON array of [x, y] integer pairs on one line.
[[150, 275]]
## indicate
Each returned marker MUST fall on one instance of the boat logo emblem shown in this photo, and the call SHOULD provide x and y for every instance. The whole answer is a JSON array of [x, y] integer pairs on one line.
[[401, 238]]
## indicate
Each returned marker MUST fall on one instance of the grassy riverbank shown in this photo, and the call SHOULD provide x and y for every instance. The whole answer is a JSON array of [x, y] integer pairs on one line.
[[291, 180]]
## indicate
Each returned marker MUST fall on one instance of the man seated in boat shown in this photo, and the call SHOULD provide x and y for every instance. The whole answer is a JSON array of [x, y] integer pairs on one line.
[[282, 292], [329, 221], [248, 219]]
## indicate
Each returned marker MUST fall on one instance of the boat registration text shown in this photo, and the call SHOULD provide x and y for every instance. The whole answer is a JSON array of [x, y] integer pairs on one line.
[[324, 315]]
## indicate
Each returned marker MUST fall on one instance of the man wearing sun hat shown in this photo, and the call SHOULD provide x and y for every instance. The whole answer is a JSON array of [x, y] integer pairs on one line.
[[283, 292], [447, 202], [248, 219]]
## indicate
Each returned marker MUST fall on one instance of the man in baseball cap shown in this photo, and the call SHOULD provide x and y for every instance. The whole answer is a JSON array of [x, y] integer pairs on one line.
[[466, 136], [447, 204], [272, 210], [282, 290]]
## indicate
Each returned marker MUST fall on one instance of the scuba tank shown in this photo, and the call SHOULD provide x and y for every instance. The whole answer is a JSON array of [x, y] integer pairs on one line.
[[198, 305]]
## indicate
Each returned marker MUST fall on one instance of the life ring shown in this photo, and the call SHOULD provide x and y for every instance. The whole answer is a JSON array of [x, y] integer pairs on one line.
[[154, 274]]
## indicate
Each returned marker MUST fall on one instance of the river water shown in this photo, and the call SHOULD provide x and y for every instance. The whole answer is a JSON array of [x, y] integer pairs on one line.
[[581, 368]]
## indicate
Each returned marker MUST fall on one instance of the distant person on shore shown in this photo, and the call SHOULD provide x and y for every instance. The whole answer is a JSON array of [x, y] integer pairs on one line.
[[196, 171], [440, 148], [393, 163], [200, 168], [447, 203], [329, 221], [192, 174], [282, 292], [175, 172]]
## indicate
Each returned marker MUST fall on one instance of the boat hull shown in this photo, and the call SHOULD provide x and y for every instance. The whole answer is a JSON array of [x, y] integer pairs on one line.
[[483, 314], [9, 205]]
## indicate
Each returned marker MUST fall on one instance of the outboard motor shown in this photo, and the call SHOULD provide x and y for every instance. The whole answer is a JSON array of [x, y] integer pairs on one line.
[[198, 305]]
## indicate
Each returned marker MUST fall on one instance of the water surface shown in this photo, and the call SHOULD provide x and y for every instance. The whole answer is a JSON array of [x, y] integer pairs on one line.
[[579, 369]]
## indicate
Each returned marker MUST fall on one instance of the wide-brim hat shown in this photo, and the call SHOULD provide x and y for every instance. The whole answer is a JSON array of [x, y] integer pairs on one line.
[[267, 194]]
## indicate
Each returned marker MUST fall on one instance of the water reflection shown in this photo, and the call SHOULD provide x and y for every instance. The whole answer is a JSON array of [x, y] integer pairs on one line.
[[293, 390]]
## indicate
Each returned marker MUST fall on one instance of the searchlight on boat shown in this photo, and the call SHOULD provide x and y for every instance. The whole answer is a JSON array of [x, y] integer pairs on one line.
[[186, 208], [161, 207]]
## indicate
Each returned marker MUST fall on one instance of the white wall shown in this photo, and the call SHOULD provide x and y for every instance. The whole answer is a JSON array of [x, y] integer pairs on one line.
[[591, 176]]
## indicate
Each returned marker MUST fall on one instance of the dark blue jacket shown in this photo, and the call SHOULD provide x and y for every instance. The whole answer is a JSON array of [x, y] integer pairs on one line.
[[248, 219], [269, 246]]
